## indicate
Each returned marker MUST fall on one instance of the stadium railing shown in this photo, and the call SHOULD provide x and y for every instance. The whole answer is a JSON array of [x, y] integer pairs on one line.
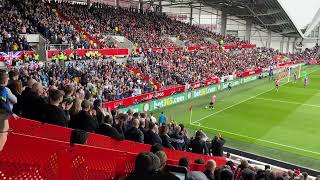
[[38, 129]]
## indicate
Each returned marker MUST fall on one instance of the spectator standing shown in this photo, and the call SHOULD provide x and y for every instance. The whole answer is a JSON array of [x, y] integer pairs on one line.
[[7, 99], [152, 137], [85, 120], [163, 133], [97, 105], [34, 102], [198, 145], [54, 113], [152, 118], [217, 145], [177, 141], [162, 118]]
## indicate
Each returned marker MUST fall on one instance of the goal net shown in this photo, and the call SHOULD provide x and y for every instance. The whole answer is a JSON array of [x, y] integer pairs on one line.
[[288, 73]]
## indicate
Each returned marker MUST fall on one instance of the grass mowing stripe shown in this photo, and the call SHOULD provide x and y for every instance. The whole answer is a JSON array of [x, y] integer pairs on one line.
[[288, 102], [252, 97], [252, 138], [256, 139]]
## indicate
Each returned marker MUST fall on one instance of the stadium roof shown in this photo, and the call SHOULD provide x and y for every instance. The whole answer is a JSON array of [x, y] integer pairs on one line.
[[315, 23], [269, 14]]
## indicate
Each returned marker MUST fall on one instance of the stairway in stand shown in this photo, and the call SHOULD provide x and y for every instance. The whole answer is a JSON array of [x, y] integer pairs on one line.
[[78, 28]]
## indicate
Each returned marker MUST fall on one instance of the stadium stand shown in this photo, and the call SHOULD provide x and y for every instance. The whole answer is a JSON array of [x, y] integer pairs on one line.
[[50, 100], [12, 25], [59, 24]]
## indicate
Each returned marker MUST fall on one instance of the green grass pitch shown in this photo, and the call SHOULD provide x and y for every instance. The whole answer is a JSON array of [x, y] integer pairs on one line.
[[255, 117]]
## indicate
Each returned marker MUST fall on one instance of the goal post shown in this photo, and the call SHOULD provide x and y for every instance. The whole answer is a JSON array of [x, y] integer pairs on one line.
[[286, 73], [294, 69]]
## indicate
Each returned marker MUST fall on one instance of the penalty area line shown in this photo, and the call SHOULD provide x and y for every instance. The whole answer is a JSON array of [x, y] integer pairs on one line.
[[288, 102], [256, 139]]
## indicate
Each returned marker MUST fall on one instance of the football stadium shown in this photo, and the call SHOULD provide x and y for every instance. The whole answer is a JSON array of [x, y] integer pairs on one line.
[[159, 89]]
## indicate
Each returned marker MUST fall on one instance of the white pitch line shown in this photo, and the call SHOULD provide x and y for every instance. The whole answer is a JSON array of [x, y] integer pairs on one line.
[[252, 97], [288, 102], [256, 139]]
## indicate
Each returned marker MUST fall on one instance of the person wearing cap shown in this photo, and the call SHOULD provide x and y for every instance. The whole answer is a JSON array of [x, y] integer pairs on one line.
[[56, 111]]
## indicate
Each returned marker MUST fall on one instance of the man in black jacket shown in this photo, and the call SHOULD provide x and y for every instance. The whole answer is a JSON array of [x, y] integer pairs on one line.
[[198, 145], [176, 140], [85, 120], [152, 137], [33, 103], [107, 130], [217, 145], [97, 104], [54, 114], [135, 134]]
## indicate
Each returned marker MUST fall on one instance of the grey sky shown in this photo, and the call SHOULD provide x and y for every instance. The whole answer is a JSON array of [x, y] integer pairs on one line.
[[301, 11]]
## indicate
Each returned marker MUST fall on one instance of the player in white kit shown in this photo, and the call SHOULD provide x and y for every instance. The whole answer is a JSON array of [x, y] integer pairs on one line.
[[213, 102]]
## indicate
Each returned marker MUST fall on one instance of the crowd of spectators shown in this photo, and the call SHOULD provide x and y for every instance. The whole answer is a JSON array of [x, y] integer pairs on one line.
[[152, 165], [69, 104], [180, 67], [308, 53], [12, 26], [145, 29], [45, 17]]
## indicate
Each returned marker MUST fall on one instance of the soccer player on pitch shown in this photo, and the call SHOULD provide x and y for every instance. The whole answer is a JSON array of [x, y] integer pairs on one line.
[[277, 84], [295, 77], [213, 101], [305, 82]]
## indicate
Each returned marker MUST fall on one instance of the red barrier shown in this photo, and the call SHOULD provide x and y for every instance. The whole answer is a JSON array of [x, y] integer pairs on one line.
[[33, 128], [209, 81], [120, 52], [145, 97], [249, 73]]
